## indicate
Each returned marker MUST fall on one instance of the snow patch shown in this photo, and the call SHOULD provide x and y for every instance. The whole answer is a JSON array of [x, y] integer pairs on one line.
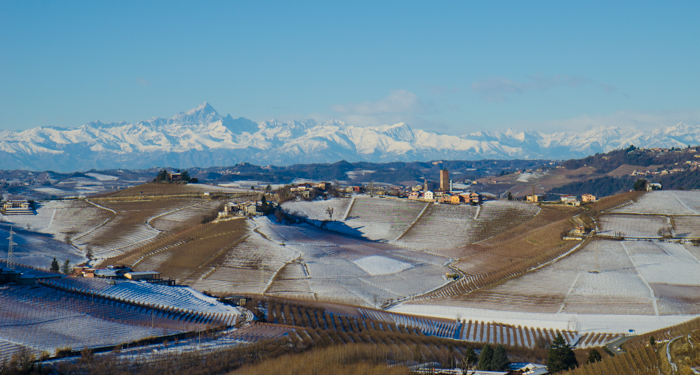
[[379, 265], [102, 177]]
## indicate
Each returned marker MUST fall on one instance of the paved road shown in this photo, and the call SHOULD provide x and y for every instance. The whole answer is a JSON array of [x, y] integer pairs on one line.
[[615, 345]]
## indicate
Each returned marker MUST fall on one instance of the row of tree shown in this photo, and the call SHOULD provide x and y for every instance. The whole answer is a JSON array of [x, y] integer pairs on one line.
[[65, 268], [164, 176]]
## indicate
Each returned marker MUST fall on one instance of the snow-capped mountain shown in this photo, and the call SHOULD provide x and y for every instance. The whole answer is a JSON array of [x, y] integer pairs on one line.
[[202, 137]]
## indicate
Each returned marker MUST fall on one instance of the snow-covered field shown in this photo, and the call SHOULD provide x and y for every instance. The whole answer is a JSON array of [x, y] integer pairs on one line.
[[586, 323], [687, 226], [38, 250], [446, 226], [331, 266], [60, 217], [641, 226], [665, 202], [188, 215], [86, 313], [379, 265], [316, 210], [615, 277], [441, 226], [383, 219], [144, 293], [417, 225]]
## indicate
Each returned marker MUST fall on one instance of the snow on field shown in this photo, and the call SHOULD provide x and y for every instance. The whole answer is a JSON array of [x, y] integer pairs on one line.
[[665, 202], [614, 277], [441, 226], [347, 269], [640, 226], [45, 319], [383, 219], [445, 226], [686, 226], [145, 293], [54, 191], [524, 177], [587, 323], [316, 210], [664, 263], [61, 217], [102, 177], [188, 215], [36, 249], [379, 265]]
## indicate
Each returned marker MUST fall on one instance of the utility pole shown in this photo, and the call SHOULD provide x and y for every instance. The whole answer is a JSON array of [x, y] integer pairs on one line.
[[11, 250]]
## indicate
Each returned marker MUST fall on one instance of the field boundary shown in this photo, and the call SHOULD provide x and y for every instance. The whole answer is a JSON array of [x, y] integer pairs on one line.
[[420, 215], [114, 214]]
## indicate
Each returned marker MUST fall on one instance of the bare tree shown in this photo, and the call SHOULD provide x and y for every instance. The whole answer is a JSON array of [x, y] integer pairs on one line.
[[329, 211]]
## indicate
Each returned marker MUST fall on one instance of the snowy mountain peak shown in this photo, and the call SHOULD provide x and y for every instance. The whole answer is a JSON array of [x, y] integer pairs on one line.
[[202, 137], [203, 114]]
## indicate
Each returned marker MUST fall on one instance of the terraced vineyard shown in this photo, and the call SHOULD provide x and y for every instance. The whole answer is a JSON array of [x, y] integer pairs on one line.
[[192, 254], [77, 315], [128, 228], [639, 226], [382, 219], [445, 227]]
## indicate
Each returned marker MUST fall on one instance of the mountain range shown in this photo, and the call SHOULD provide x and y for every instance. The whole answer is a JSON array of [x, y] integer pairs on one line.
[[202, 137]]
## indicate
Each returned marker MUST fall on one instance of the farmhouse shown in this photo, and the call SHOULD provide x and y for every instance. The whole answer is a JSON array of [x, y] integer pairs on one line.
[[429, 196], [534, 198], [17, 207], [414, 195], [570, 199], [175, 177], [587, 198], [475, 198], [653, 186]]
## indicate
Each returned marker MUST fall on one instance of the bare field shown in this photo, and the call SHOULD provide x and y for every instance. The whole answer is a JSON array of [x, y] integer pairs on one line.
[[187, 216], [128, 228], [686, 226], [153, 189], [539, 236], [199, 254]]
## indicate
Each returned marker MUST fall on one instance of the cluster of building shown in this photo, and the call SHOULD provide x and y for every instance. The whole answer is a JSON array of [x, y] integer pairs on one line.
[[445, 194], [572, 200], [311, 190], [121, 273], [17, 207]]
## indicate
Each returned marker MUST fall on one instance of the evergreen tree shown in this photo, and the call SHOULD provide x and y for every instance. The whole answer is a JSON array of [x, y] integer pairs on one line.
[[593, 356], [264, 206], [66, 268], [186, 176], [54, 265], [468, 361], [640, 184], [500, 360], [485, 358], [561, 357], [510, 196], [162, 176]]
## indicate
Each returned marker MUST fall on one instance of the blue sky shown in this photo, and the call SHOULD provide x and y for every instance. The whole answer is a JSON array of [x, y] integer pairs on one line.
[[451, 67]]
